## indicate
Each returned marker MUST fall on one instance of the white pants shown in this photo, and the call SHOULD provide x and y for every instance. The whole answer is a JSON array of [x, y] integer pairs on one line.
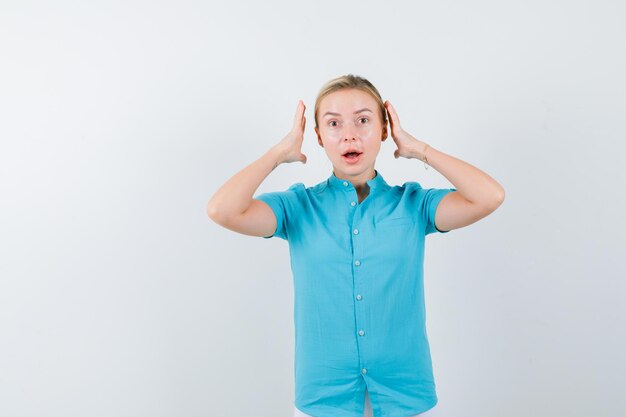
[[433, 412]]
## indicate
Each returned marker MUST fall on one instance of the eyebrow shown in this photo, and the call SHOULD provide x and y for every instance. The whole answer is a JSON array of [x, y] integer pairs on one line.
[[356, 112]]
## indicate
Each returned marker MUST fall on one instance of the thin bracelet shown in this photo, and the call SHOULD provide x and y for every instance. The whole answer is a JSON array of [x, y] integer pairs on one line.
[[425, 159]]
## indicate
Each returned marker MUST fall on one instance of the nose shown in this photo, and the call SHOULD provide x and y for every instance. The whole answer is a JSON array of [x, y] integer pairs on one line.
[[349, 135]]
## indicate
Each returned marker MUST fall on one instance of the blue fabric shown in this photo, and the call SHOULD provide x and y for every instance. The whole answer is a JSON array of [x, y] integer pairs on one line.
[[359, 309]]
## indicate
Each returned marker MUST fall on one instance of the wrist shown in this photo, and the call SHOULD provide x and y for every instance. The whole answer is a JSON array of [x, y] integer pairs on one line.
[[420, 150], [276, 155]]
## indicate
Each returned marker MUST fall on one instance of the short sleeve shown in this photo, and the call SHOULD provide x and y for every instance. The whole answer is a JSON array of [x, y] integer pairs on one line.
[[284, 205], [432, 197], [427, 200]]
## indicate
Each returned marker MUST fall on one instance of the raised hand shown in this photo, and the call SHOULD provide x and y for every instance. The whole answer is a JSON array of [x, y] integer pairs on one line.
[[408, 146], [291, 145]]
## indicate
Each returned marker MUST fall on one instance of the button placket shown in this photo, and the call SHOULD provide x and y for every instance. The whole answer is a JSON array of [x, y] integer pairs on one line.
[[357, 276], [357, 247]]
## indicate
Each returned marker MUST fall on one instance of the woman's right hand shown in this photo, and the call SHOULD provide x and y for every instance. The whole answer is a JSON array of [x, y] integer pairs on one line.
[[290, 147]]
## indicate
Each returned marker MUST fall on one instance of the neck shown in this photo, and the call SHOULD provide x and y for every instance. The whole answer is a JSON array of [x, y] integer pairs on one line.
[[359, 181]]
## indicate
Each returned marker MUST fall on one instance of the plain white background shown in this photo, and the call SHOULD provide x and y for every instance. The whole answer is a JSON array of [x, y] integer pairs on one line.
[[119, 120]]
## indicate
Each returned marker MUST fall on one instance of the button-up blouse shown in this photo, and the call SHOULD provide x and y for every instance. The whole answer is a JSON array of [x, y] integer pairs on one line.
[[359, 312]]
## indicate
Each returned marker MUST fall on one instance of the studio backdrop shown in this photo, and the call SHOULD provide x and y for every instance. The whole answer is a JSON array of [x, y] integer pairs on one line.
[[119, 296]]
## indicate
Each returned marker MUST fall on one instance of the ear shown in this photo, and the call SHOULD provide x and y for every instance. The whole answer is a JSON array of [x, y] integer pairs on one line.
[[384, 132], [319, 137]]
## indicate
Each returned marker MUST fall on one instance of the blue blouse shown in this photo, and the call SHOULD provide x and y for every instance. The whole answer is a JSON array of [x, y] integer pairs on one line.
[[359, 311]]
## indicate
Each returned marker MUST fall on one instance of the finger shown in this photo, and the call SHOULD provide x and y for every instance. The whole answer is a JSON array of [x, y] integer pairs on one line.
[[303, 120], [390, 117], [392, 113], [299, 113], [388, 108]]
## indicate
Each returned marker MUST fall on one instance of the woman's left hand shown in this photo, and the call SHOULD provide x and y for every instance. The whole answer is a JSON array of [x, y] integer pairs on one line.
[[408, 146]]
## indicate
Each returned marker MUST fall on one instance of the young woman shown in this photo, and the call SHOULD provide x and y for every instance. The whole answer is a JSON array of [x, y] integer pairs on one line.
[[357, 248]]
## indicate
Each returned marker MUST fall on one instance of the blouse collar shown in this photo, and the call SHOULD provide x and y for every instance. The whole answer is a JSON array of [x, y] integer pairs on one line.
[[377, 182]]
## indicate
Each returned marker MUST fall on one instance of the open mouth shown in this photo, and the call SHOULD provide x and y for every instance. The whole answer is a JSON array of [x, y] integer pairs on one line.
[[352, 156]]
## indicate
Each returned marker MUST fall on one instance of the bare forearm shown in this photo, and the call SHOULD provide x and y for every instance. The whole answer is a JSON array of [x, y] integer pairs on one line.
[[472, 183], [235, 196]]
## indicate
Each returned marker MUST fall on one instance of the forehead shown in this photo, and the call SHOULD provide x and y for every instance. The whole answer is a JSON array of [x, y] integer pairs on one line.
[[347, 100]]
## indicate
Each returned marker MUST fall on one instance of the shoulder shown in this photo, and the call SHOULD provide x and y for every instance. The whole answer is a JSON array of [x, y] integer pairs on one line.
[[414, 192], [409, 188], [294, 189], [297, 193], [298, 187], [412, 186], [415, 188]]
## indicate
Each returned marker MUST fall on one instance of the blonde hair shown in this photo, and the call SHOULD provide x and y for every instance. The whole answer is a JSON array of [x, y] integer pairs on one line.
[[351, 81]]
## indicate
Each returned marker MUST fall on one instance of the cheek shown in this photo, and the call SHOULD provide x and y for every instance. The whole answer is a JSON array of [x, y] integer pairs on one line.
[[332, 134], [331, 147], [371, 132]]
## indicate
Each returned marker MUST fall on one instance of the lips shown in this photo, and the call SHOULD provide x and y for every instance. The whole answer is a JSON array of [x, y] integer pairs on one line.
[[351, 151], [352, 156]]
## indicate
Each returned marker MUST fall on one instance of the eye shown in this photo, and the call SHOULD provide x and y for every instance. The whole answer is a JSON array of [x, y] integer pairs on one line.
[[331, 123], [364, 118]]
